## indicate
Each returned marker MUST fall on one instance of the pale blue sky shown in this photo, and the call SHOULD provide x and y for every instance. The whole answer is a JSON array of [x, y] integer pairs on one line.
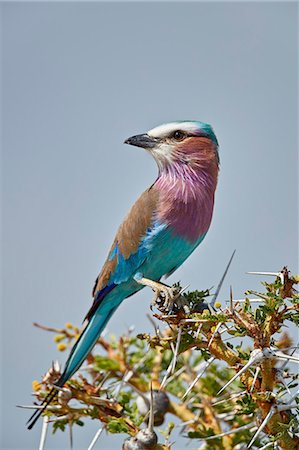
[[80, 78]]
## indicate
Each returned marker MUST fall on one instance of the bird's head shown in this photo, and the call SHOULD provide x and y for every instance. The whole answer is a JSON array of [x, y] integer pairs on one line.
[[190, 143]]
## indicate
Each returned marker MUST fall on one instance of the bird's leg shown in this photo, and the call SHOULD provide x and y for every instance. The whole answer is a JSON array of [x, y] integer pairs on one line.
[[161, 290], [169, 295]]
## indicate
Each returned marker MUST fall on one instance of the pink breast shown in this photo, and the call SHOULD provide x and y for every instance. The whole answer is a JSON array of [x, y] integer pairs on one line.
[[186, 205]]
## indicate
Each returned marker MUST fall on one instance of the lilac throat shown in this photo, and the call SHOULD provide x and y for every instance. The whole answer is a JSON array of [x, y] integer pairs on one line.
[[187, 199]]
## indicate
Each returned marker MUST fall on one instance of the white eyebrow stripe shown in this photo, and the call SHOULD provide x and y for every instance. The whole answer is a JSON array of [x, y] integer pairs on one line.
[[166, 129]]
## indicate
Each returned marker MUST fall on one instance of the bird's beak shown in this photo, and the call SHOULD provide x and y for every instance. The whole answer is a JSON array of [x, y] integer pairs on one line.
[[142, 140]]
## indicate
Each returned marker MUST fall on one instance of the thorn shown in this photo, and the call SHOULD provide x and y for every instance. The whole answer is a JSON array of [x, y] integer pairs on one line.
[[58, 388], [156, 328], [251, 300], [268, 417], [52, 408], [172, 347], [139, 363], [226, 433], [176, 374], [190, 320], [168, 371], [200, 374], [293, 397], [198, 331], [214, 333], [71, 433], [140, 393], [63, 417], [255, 357], [282, 380], [286, 407], [229, 397], [273, 353], [231, 305], [168, 316], [64, 396], [44, 431], [184, 288], [30, 406], [131, 328], [255, 378], [267, 445], [126, 377], [286, 386], [292, 353], [176, 349], [95, 438], [274, 274], [264, 297], [281, 355], [102, 382], [226, 329], [166, 376], [56, 366], [214, 298], [262, 426], [151, 410], [271, 274], [183, 424]]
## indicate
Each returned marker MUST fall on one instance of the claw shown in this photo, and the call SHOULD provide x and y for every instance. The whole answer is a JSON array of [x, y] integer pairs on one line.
[[163, 294], [165, 297]]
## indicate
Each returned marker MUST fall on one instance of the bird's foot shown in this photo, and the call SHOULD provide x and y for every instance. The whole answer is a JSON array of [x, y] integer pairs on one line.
[[164, 297], [176, 302], [167, 298]]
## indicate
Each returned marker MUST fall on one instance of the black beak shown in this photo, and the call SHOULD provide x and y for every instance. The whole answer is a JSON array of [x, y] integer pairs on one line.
[[142, 140]]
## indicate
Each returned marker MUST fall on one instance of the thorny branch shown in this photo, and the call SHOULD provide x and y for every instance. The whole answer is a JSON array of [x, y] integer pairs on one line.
[[195, 366]]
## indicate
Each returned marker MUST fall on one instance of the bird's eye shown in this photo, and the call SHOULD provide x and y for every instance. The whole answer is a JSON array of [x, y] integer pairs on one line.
[[179, 135]]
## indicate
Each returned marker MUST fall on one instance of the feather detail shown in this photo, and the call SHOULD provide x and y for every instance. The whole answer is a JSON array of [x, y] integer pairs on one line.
[[98, 300], [128, 238], [187, 189]]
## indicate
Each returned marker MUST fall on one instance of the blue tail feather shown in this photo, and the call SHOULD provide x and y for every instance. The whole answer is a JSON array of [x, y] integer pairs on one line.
[[82, 347], [87, 340]]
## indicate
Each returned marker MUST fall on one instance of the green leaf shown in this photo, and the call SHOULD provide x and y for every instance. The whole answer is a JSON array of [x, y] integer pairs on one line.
[[105, 363], [59, 425], [117, 426], [247, 404], [80, 423]]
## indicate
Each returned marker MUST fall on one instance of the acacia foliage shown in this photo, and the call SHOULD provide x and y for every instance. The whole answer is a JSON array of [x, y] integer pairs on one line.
[[189, 361]]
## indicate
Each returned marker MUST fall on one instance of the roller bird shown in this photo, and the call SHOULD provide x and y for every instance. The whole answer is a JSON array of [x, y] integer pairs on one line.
[[165, 225]]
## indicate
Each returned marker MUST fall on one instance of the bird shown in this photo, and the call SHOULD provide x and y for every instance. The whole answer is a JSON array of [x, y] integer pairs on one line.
[[164, 226]]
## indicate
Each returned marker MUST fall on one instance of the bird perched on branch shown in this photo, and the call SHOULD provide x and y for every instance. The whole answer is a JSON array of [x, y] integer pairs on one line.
[[164, 226]]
